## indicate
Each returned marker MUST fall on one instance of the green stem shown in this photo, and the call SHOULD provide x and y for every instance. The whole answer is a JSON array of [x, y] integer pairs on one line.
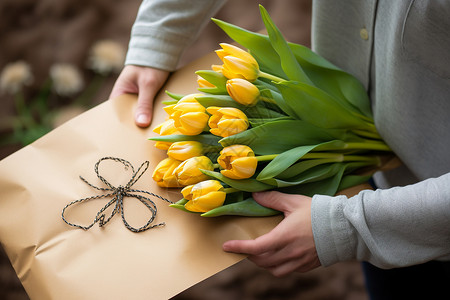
[[368, 146], [271, 77], [267, 99], [368, 134], [216, 166], [211, 148], [230, 190], [266, 157], [328, 157]]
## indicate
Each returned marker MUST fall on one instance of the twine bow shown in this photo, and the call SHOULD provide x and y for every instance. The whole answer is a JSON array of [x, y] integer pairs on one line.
[[118, 194]]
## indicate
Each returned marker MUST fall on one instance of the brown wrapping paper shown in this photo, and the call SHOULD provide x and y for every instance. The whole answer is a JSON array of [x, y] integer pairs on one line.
[[56, 261]]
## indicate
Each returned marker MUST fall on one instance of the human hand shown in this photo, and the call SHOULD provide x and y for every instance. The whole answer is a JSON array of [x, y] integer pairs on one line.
[[145, 82], [290, 245]]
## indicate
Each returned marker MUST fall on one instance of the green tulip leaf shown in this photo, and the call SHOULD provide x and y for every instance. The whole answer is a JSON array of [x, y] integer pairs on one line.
[[302, 166], [284, 160], [288, 134], [174, 96], [180, 205], [169, 102], [288, 61], [325, 186], [317, 173], [246, 185], [215, 78], [254, 122], [279, 100], [249, 208], [332, 79], [317, 107], [349, 181]]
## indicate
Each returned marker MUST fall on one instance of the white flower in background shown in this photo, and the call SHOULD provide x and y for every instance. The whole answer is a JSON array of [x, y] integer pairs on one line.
[[106, 56], [67, 80], [14, 76]]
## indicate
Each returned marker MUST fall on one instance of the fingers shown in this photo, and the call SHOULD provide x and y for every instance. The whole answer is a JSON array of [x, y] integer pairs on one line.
[[254, 247], [257, 246], [290, 245], [278, 201]]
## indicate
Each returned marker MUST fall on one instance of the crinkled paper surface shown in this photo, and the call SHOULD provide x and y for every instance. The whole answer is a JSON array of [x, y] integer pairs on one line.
[[57, 261]]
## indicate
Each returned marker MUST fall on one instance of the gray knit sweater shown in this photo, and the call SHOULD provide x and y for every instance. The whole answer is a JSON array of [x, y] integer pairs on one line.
[[400, 50]]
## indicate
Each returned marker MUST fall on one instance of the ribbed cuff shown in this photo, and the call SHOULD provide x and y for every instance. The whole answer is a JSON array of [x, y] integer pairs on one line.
[[331, 230]]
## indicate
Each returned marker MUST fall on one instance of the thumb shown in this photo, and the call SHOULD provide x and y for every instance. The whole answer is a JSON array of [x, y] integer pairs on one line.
[[149, 83], [144, 109], [276, 200]]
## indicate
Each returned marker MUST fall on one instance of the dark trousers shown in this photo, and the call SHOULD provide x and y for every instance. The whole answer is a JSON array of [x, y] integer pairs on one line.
[[430, 280]]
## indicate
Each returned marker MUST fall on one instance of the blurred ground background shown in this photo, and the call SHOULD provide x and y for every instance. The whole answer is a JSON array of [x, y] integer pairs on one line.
[[46, 32]]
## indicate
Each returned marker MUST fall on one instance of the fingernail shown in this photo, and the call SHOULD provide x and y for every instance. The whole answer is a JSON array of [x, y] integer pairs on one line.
[[142, 119]]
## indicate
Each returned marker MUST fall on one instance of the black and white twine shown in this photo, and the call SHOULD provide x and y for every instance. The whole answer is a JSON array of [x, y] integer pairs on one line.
[[118, 194]]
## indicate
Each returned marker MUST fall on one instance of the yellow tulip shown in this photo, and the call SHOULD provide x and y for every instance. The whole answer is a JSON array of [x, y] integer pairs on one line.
[[163, 145], [237, 63], [185, 150], [231, 50], [189, 116], [226, 121], [234, 67], [237, 161], [204, 196], [163, 173], [243, 91], [189, 171], [166, 128]]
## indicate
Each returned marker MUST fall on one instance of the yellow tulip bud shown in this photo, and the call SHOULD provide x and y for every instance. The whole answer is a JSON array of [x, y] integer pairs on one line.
[[186, 192], [188, 115], [231, 50], [163, 145], [166, 128], [185, 150], [204, 196], [237, 161], [226, 121], [242, 91], [234, 67], [163, 173], [190, 123], [189, 171], [237, 63]]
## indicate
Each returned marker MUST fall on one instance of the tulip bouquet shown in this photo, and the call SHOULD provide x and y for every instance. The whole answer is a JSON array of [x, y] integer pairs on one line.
[[275, 117]]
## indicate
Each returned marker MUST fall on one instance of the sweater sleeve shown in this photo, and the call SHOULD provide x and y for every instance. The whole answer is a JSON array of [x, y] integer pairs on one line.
[[164, 28], [389, 228]]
